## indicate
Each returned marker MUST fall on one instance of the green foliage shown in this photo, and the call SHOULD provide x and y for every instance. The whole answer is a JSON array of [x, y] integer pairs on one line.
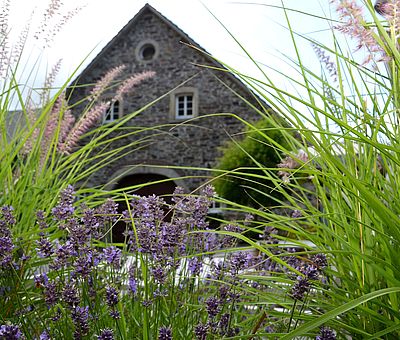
[[348, 126], [248, 160]]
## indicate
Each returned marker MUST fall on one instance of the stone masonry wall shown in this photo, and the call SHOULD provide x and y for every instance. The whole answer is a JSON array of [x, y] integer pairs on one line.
[[195, 144]]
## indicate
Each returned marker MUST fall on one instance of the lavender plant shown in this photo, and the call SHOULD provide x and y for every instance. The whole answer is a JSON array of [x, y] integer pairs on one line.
[[165, 282]]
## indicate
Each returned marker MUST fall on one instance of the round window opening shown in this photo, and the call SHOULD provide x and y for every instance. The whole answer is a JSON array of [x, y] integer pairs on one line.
[[147, 52]]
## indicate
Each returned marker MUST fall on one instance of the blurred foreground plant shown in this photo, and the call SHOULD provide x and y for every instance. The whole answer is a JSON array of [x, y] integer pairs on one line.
[[341, 188]]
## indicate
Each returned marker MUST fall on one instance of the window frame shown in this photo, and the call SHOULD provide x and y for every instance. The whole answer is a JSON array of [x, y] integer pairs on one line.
[[142, 46], [119, 112], [183, 113], [174, 103]]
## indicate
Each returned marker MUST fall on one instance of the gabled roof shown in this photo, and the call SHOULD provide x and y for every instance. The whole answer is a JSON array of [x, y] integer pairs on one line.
[[185, 38]]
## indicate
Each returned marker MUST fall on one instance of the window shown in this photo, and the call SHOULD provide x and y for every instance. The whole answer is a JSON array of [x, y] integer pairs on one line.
[[184, 106], [184, 103], [216, 208], [147, 51], [113, 112]]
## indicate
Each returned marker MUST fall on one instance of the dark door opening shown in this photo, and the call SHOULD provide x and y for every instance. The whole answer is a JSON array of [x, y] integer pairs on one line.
[[163, 189]]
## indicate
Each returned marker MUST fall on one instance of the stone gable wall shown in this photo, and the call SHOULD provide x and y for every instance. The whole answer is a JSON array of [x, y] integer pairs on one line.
[[193, 145]]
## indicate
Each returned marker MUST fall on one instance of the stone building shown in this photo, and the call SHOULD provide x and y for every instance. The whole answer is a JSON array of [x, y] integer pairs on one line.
[[193, 95]]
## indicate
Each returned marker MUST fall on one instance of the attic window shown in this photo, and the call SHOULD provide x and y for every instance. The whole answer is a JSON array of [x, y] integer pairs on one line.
[[147, 51]]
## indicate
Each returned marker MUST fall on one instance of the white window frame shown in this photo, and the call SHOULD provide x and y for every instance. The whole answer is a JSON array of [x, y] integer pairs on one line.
[[183, 113], [184, 92], [117, 113], [216, 207]]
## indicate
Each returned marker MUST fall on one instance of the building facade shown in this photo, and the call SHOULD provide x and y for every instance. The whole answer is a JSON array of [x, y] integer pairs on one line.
[[193, 109]]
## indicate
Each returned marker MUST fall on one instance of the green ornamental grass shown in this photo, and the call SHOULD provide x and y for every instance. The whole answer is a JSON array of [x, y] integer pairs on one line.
[[322, 261], [339, 186]]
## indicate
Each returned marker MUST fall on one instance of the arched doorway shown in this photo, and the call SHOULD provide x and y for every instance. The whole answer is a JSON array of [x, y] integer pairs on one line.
[[163, 188]]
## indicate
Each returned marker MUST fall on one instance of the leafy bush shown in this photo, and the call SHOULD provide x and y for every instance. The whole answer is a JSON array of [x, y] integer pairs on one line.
[[247, 160]]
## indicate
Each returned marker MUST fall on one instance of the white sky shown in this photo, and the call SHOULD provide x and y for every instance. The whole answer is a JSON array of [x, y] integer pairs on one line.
[[259, 28]]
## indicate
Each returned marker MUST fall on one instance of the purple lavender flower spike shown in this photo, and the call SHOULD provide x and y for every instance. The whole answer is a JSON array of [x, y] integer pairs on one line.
[[106, 334], [326, 334], [41, 280], [6, 248], [70, 295], [91, 222], [223, 323], [200, 331], [108, 211], [238, 261], [80, 317], [147, 303], [64, 209], [132, 285], [195, 265], [10, 332], [320, 260], [164, 333], [208, 191], [115, 314], [112, 256], [41, 219], [311, 272], [212, 306], [111, 296], [50, 293], [159, 274], [64, 252], [300, 288], [44, 336], [45, 248], [8, 215]]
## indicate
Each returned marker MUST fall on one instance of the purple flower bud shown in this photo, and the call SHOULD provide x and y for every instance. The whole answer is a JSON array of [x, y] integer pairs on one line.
[[80, 317], [212, 306], [6, 248], [132, 285], [200, 331], [50, 293], [64, 209], [44, 336], [8, 215], [70, 295], [106, 334], [10, 332], [115, 314], [45, 247], [195, 265], [41, 219], [113, 256], [300, 288], [159, 274], [164, 333], [111, 296], [326, 334], [320, 260], [147, 303]]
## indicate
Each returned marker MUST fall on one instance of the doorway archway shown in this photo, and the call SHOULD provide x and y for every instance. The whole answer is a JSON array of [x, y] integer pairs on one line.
[[162, 187]]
